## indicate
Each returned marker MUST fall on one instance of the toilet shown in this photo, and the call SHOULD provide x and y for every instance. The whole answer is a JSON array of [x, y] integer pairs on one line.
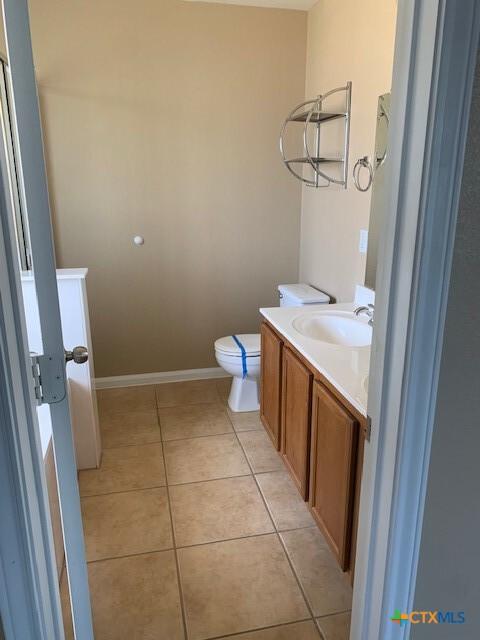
[[239, 355]]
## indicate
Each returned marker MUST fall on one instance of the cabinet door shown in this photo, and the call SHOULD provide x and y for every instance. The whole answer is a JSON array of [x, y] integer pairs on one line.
[[333, 467], [296, 410], [356, 505], [270, 383]]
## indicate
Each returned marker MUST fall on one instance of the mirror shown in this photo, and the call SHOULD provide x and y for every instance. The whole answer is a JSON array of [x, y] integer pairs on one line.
[[377, 205]]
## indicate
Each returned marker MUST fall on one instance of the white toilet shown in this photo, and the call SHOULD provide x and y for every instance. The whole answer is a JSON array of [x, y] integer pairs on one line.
[[240, 355]]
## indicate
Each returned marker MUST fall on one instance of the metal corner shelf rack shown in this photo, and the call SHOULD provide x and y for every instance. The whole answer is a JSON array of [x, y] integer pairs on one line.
[[312, 114]]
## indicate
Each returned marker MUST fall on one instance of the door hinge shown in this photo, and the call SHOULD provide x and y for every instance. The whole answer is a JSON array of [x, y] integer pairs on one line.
[[48, 379], [368, 429]]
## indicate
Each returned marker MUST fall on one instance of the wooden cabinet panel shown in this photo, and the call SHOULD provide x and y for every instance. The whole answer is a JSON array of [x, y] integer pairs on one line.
[[333, 469], [271, 383], [356, 506], [296, 412]]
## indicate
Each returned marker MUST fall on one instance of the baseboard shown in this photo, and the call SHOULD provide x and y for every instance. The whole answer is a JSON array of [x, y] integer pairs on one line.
[[159, 378]]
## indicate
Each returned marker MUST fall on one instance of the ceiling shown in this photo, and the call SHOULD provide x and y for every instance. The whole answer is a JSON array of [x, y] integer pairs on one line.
[[301, 5]]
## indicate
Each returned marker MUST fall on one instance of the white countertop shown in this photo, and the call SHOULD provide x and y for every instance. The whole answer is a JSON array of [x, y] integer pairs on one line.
[[345, 367]]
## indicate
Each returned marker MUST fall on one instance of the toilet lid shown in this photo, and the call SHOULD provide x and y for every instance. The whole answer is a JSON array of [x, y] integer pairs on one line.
[[250, 341]]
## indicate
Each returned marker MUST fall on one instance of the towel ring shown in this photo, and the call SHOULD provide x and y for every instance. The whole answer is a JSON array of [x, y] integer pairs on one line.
[[365, 163]]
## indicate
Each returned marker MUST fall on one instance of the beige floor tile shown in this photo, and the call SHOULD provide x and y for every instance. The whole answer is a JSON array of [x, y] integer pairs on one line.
[[238, 585], [174, 394], [126, 399], [246, 421], [120, 524], [136, 597], [218, 510], [125, 468], [297, 631], [288, 509], [136, 427], [223, 388], [205, 458], [260, 451], [335, 627], [194, 420], [326, 586]]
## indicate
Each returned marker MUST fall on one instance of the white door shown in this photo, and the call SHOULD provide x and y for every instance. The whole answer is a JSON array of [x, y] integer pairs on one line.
[[51, 387]]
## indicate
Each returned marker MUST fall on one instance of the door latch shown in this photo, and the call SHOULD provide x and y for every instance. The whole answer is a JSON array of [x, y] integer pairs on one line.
[[48, 378]]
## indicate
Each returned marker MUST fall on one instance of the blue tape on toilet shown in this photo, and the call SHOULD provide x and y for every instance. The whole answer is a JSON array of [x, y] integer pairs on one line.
[[244, 356]]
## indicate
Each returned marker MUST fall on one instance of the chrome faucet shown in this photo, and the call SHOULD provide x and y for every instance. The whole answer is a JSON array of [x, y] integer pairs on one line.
[[368, 310]]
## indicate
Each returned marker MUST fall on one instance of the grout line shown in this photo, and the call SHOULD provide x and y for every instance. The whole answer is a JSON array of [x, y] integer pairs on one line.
[[296, 576], [307, 526], [112, 493], [330, 615], [131, 555], [272, 626], [184, 484], [210, 435], [319, 631], [182, 405], [179, 578], [250, 535], [302, 591], [262, 473], [125, 446], [204, 544], [202, 435], [163, 441]]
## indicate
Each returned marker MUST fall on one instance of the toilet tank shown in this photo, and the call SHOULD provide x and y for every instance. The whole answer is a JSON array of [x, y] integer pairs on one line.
[[297, 295]]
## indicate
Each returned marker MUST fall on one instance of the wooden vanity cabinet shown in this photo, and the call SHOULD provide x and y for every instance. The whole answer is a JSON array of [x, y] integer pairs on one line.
[[271, 383], [333, 471], [296, 423], [320, 437]]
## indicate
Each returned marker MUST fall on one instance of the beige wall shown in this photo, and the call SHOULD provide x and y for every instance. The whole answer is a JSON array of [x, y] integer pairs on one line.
[[347, 40], [162, 119]]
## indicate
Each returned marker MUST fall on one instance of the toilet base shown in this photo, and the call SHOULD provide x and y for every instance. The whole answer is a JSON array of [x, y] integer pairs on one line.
[[244, 395]]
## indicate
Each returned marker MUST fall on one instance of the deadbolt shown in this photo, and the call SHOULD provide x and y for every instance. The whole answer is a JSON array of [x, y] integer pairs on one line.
[[79, 355]]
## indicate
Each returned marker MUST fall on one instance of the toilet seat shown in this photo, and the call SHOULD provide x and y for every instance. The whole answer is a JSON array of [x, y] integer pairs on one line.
[[228, 347]]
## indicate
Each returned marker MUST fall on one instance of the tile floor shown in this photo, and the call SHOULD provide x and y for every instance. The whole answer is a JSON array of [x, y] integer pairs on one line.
[[194, 529]]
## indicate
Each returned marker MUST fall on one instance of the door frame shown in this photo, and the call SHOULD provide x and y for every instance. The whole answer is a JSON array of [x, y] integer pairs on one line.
[[30, 606], [435, 59], [34, 194]]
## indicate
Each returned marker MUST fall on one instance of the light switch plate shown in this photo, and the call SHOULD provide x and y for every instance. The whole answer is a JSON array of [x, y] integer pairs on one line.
[[363, 244]]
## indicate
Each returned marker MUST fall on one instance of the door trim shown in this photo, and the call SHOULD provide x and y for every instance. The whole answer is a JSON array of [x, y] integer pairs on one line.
[[29, 594], [28, 134], [435, 59]]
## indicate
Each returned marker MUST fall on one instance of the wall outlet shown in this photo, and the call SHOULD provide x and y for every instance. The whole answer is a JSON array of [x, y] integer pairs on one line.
[[363, 244]]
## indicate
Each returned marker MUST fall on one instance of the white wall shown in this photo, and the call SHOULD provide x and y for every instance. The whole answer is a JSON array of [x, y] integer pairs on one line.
[[74, 311]]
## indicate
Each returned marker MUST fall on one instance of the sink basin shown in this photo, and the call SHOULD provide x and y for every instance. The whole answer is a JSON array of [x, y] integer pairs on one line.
[[343, 329]]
